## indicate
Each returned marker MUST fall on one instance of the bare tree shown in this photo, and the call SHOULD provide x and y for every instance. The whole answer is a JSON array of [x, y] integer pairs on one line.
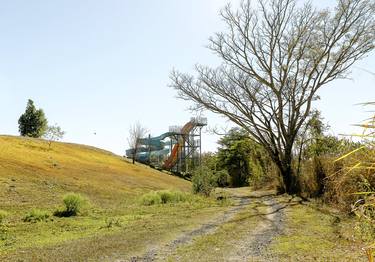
[[53, 133], [136, 132], [275, 57]]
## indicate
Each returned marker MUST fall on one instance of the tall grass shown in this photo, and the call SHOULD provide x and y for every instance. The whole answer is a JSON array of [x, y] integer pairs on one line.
[[163, 197], [357, 180]]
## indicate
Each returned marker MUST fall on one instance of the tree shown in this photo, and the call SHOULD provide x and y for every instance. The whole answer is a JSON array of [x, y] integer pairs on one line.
[[33, 122], [275, 57], [136, 132], [242, 157], [53, 133]]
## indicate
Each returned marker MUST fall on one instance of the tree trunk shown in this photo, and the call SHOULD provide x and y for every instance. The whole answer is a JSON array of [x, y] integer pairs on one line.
[[134, 153], [290, 179]]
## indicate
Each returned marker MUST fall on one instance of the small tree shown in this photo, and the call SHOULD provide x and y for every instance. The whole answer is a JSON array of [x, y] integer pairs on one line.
[[33, 122], [53, 133], [136, 132]]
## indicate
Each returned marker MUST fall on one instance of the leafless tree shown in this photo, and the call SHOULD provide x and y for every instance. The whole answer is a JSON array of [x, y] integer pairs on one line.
[[136, 132], [275, 56], [53, 133]]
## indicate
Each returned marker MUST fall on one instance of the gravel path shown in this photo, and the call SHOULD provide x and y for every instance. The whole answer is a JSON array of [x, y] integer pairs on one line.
[[252, 248], [162, 252]]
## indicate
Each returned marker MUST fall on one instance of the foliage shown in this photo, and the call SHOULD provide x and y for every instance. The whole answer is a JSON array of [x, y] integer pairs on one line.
[[315, 150], [33, 122], [53, 133], [211, 161], [36, 215], [276, 56], [163, 197], [203, 180], [244, 159], [223, 178], [356, 178], [73, 205]]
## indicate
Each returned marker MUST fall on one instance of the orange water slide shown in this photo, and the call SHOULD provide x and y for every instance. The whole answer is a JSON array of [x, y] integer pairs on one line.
[[177, 148]]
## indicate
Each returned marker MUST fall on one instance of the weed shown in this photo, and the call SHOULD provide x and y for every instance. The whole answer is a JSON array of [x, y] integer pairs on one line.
[[36, 215], [73, 205], [163, 197], [111, 222]]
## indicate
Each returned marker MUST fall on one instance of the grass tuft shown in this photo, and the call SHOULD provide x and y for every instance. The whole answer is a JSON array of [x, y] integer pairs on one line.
[[74, 203], [36, 215], [163, 197]]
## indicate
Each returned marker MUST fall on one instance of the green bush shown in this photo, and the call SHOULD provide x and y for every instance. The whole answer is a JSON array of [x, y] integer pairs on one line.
[[36, 215], [223, 178], [163, 197], [203, 180], [150, 199], [74, 203], [3, 215]]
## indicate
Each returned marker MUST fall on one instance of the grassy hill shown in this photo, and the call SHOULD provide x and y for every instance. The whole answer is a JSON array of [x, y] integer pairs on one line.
[[32, 175]]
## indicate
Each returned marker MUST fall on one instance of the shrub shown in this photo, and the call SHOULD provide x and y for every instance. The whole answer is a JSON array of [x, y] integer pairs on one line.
[[73, 205], [203, 180], [36, 215], [223, 178], [3, 215], [150, 199], [163, 197]]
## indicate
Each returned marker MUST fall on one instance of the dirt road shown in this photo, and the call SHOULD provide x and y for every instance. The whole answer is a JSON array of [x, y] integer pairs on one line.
[[255, 241]]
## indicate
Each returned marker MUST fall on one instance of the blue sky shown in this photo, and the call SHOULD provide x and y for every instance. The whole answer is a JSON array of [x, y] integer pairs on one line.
[[99, 66]]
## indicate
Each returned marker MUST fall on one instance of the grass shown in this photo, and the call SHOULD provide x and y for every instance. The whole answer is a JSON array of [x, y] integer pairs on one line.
[[166, 196], [32, 176], [317, 235], [309, 234], [36, 215]]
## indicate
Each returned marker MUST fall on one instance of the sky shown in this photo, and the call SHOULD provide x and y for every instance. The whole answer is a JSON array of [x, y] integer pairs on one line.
[[97, 67]]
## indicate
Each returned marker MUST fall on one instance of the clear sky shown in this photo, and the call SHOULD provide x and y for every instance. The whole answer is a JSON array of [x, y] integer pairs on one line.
[[99, 66]]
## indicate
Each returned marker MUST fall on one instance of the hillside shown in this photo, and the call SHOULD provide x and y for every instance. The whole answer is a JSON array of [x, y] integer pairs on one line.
[[32, 173], [34, 176]]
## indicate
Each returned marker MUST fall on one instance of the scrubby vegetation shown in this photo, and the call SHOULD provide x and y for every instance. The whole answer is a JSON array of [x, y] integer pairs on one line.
[[36, 215], [73, 204], [203, 180], [163, 197]]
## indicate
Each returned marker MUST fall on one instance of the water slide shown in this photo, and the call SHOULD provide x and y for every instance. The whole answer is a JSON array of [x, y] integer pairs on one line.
[[158, 147], [150, 145], [177, 148]]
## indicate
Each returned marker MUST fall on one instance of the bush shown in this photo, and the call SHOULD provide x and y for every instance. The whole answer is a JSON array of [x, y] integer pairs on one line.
[[163, 197], [3, 215], [36, 215], [223, 178], [204, 181], [152, 198], [73, 205]]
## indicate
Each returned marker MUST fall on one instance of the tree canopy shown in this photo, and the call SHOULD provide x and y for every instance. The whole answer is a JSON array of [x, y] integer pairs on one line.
[[33, 122]]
